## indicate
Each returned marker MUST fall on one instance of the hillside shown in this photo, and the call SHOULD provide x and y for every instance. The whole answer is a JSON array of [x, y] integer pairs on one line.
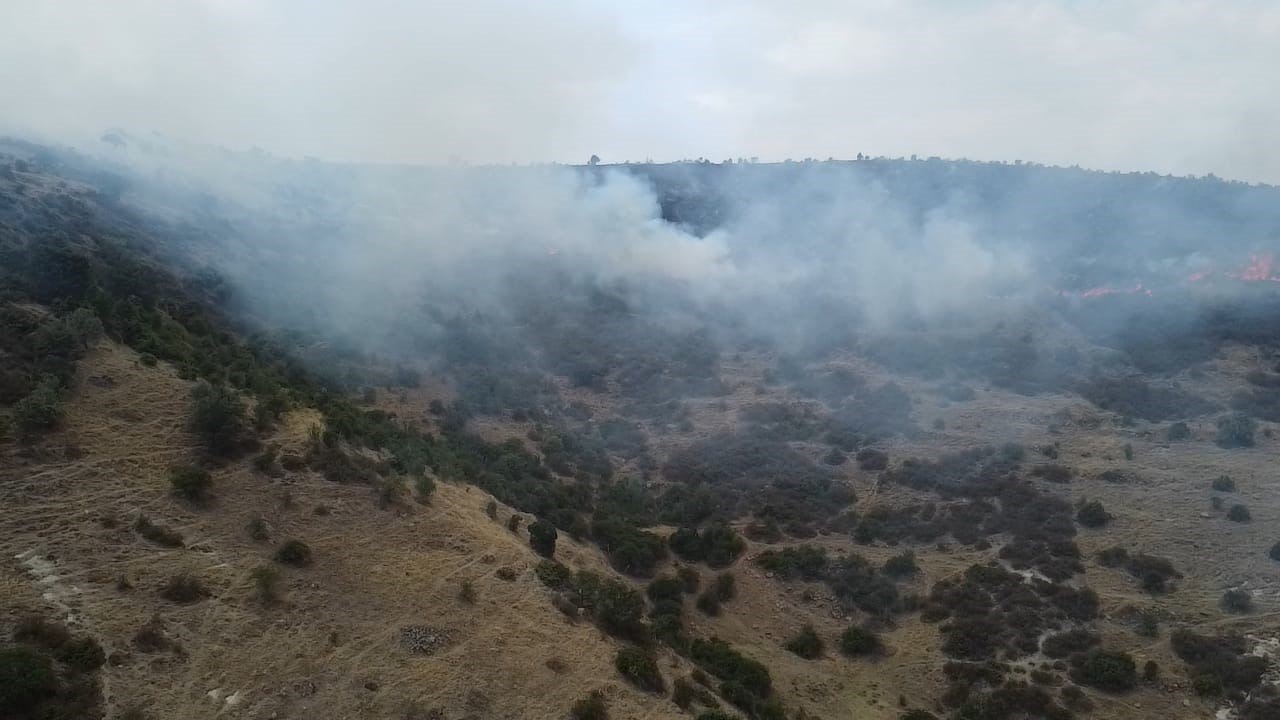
[[999, 511]]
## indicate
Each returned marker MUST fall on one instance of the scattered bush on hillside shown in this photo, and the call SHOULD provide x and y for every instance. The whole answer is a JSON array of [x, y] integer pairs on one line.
[[1237, 601], [1178, 432], [901, 565], [1218, 661], [294, 552], [806, 643], [184, 589], [266, 584], [542, 537], [26, 677], [1107, 670], [1063, 644], [218, 417], [591, 707], [871, 459], [689, 579], [191, 483], [1153, 572], [1236, 430], [748, 679], [856, 641], [807, 562], [157, 534], [717, 545], [1274, 552], [1092, 515], [40, 411], [1053, 472], [639, 668], [1239, 513], [1224, 483], [425, 486]]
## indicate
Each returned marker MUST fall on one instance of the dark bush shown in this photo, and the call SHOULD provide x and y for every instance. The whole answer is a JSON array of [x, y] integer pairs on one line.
[[1178, 432], [1053, 473], [806, 643], [157, 534], [40, 411], [872, 459], [591, 707], [35, 630], [808, 562], [184, 588], [1222, 661], [901, 565], [82, 653], [1106, 670], [1091, 514], [1237, 601], [1060, 645], [834, 457], [639, 668], [1236, 430], [1239, 513], [553, 574], [191, 483], [721, 660], [26, 677], [542, 537], [218, 417], [1224, 483], [1151, 671], [294, 552], [689, 579], [857, 641], [1274, 552]]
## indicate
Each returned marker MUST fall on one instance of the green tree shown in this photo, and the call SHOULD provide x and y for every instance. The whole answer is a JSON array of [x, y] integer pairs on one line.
[[542, 537]]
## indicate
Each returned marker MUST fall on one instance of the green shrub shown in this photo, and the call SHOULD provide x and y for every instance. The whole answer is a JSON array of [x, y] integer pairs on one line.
[[82, 653], [1274, 552], [1178, 432], [191, 483], [35, 630], [1237, 601], [40, 411], [856, 641], [425, 487], [808, 562], [1151, 671], [467, 592], [1224, 483], [184, 588], [542, 537], [591, 707], [639, 668], [720, 659], [1236, 430], [1106, 670], [806, 643], [1091, 514], [157, 534], [294, 552], [872, 459], [553, 574], [266, 583], [690, 579], [218, 417], [26, 677], [1239, 513], [901, 565]]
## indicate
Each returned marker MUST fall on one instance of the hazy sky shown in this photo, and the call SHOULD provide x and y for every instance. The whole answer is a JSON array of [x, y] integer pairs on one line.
[[1181, 87]]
